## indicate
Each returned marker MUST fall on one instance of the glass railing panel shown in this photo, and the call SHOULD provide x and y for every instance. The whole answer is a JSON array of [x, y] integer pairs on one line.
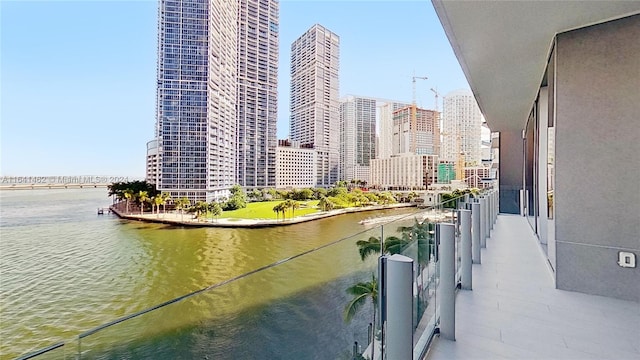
[[294, 309], [291, 309], [458, 247], [59, 351], [416, 234]]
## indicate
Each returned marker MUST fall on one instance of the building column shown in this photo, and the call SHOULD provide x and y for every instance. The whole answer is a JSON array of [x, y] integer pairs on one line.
[[511, 162]]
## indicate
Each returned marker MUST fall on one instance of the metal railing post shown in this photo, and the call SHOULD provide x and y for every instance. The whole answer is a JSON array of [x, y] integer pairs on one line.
[[491, 209], [446, 237], [495, 206], [483, 222], [465, 235], [396, 306], [475, 232], [487, 225]]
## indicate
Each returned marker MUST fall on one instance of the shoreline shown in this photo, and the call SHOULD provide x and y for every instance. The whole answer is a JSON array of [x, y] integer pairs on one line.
[[176, 219]]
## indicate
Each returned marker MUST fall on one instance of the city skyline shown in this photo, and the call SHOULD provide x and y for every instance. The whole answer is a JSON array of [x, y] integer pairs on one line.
[[96, 90]]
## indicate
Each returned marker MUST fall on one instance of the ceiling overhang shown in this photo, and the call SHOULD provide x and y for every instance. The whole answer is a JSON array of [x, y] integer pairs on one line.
[[503, 47]]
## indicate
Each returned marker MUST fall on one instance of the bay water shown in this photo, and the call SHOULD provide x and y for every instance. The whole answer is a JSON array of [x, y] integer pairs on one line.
[[65, 270]]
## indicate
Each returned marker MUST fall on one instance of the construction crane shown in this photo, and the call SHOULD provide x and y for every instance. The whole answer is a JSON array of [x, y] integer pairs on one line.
[[435, 91], [439, 118], [414, 112]]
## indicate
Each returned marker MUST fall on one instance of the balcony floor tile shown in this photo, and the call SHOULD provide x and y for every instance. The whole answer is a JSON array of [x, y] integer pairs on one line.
[[515, 312]]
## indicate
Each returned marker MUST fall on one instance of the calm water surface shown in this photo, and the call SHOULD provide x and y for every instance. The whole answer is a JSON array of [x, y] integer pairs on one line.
[[65, 270]]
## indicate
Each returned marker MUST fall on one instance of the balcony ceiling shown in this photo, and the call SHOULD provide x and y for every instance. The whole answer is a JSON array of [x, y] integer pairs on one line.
[[503, 47]]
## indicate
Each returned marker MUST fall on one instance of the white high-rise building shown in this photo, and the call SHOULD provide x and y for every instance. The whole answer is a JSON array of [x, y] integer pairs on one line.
[[462, 122], [257, 92], [404, 172], [315, 118], [296, 166], [153, 161], [385, 124], [357, 137], [196, 97], [217, 96]]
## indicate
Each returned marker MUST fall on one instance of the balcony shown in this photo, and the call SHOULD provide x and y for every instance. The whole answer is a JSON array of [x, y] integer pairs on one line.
[[515, 312]]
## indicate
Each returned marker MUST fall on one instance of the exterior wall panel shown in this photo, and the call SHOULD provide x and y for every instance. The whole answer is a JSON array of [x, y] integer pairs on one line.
[[597, 155]]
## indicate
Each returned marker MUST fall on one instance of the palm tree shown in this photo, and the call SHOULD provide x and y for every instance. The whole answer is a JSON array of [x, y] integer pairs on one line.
[[180, 205], [128, 195], [215, 209], [392, 245], [361, 292], [280, 208], [143, 197], [294, 205], [165, 198], [422, 234], [326, 204], [200, 207], [158, 200]]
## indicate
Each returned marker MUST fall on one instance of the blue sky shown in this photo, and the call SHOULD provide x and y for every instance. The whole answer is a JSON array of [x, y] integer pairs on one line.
[[77, 78]]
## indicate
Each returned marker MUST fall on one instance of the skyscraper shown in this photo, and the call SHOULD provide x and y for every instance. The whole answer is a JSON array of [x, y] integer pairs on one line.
[[461, 126], [421, 137], [196, 97], [357, 137], [257, 93], [216, 96], [385, 113], [314, 99]]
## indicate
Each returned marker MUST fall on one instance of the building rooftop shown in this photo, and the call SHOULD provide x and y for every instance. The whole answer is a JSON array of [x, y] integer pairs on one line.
[[515, 312]]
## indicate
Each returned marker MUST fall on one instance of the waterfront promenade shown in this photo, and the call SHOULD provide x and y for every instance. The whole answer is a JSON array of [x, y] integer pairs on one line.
[[187, 219]]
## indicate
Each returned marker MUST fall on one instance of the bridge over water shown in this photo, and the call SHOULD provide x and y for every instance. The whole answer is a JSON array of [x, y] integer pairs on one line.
[[61, 182]]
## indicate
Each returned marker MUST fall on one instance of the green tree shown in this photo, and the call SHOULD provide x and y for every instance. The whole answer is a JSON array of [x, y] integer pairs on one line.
[[273, 193], [143, 197], [386, 198], [166, 197], [290, 204], [361, 199], [117, 188], [157, 201], [351, 199], [238, 199], [280, 208], [255, 195], [422, 236], [199, 208], [181, 204], [361, 292], [337, 191], [318, 193], [341, 184], [391, 245], [128, 195], [371, 197], [294, 206], [325, 204], [305, 194], [215, 209]]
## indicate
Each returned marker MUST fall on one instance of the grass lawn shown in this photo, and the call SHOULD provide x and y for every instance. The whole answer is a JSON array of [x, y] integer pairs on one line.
[[264, 210]]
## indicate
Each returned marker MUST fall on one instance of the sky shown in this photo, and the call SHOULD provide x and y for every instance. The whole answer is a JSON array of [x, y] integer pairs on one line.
[[78, 78]]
